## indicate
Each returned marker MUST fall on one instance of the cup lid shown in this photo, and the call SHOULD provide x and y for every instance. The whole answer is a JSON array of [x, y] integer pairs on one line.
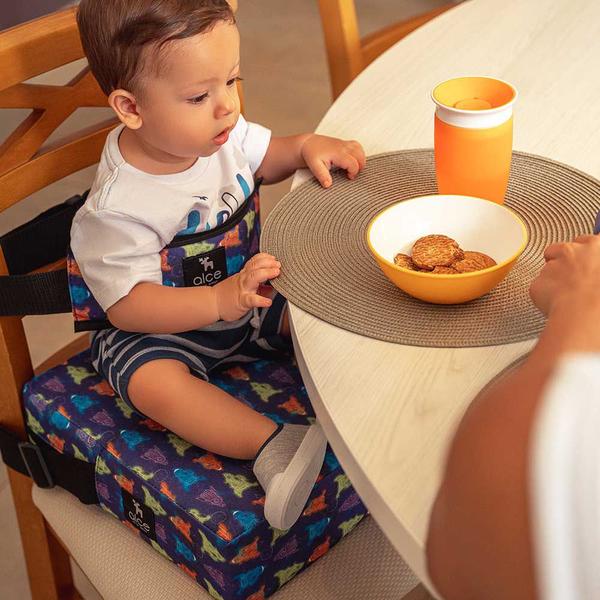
[[467, 95]]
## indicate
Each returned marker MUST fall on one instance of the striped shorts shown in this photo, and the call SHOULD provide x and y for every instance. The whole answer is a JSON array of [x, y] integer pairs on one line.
[[116, 354]]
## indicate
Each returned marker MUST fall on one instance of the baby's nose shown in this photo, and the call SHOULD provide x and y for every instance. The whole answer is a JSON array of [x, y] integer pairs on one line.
[[226, 105]]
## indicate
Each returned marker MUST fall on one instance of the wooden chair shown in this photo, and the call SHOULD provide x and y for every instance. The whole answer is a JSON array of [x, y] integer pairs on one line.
[[347, 53], [26, 166], [26, 51]]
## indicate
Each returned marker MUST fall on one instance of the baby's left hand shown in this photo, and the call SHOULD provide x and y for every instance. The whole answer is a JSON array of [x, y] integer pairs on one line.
[[321, 153]]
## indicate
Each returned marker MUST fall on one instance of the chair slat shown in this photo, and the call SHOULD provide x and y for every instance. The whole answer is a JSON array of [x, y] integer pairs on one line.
[[23, 142], [347, 53], [53, 105], [378, 42], [342, 42], [30, 95], [55, 266], [39, 46], [54, 164]]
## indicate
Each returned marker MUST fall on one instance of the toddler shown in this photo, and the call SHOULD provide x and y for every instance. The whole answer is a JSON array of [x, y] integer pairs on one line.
[[182, 161]]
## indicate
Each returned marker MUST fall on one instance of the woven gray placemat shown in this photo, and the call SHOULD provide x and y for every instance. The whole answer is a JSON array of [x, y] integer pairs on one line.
[[327, 270]]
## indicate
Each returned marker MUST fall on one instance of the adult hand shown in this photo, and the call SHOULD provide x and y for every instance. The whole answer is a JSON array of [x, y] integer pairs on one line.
[[570, 277], [321, 153]]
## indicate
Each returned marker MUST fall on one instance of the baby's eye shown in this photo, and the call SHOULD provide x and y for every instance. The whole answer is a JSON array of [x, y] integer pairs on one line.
[[232, 81], [198, 99]]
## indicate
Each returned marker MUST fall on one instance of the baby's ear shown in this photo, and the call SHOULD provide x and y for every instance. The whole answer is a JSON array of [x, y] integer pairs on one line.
[[233, 4], [125, 106]]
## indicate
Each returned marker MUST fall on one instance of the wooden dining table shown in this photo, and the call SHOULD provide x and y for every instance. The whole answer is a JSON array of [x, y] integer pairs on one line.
[[389, 410]]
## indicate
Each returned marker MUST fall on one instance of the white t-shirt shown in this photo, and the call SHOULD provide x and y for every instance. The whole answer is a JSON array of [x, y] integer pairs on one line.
[[130, 216], [565, 483]]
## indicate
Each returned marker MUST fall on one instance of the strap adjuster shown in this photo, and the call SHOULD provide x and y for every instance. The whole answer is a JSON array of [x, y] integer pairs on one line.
[[36, 465]]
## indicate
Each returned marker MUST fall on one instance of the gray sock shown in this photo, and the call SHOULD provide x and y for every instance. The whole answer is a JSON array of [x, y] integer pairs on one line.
[[277, 452]]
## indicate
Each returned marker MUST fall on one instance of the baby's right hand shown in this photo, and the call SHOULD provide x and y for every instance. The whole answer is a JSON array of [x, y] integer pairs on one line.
[[237, 294]]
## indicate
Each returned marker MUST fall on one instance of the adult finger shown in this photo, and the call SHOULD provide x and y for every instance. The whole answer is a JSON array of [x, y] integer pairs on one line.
[[539, 294], [586, 239], [554, 251]]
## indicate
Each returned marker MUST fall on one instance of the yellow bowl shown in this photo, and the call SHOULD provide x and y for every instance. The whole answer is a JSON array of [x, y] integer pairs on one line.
[[476, 224]]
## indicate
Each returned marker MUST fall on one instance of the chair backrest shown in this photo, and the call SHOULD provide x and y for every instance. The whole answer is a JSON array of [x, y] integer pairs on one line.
[[347, 53], [26, 51]]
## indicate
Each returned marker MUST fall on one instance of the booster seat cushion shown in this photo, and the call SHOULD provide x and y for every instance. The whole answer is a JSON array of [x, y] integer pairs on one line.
[[202, 511]]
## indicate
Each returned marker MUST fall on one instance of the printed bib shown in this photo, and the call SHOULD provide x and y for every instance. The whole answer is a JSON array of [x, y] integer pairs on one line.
[[195, 259]]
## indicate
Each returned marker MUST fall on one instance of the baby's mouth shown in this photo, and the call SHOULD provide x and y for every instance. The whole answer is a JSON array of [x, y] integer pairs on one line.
[[222, 137]]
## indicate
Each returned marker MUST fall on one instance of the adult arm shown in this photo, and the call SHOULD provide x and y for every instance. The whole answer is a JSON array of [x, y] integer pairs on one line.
[[480, 535]]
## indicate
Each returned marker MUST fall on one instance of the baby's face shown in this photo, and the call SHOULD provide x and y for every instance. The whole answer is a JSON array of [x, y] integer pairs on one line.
[[189, 108]]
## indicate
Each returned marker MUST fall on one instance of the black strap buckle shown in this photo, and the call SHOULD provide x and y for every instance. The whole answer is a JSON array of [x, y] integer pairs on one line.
[[36, 465]]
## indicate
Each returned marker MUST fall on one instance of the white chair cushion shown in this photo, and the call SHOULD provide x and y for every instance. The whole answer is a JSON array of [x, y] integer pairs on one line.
[[121, 566]]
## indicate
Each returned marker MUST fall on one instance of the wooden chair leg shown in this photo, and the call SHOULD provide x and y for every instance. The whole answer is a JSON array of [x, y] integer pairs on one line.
[[48, 565], [62, 567]]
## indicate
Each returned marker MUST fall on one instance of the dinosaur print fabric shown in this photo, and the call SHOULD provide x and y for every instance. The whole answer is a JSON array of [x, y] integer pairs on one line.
[[197, 259], [202, 511]]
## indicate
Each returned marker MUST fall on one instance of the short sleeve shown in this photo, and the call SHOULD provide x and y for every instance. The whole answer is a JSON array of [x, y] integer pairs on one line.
[[565, 482], [253, 139], [114, 253]]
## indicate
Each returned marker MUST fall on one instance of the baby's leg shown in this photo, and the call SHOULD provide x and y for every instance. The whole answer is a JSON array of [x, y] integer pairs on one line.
[[287, 459], [198, 411]]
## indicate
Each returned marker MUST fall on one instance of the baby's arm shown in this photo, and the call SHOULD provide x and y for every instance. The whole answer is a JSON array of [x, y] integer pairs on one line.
[[119, 258], [317, 152], [154, 308]]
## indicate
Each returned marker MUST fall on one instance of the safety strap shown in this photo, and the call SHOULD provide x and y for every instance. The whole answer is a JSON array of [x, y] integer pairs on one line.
[[43, 240], [49, 467]]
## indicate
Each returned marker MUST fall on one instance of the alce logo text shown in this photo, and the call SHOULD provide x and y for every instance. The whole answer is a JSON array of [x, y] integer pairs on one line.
[[209, 276], [138, 517]]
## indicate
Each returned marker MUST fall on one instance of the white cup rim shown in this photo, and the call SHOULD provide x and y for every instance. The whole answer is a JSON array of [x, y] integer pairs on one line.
[[484, 111]]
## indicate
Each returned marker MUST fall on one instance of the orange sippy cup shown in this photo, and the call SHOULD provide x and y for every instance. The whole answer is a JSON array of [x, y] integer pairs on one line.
[[473, 136]]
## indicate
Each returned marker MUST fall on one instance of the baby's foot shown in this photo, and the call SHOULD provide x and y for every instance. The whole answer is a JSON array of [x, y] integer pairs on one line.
[[287, 467]]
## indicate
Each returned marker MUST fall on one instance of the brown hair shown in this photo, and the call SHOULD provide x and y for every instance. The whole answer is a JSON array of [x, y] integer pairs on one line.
[[116, 34]]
